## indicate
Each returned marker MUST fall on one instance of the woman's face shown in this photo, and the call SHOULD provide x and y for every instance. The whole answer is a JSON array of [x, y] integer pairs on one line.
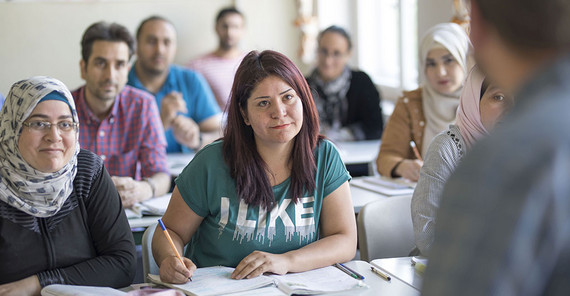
[[493, 106], [333, 54], [50, 149], [274, 112], [443, 72]]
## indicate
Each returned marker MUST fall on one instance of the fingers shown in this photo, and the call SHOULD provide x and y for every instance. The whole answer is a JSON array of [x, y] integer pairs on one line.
[[172, 270], [253, 265]]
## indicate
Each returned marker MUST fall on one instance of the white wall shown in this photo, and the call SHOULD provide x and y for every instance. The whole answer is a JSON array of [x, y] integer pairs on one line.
[[42, 38], [433, 12]]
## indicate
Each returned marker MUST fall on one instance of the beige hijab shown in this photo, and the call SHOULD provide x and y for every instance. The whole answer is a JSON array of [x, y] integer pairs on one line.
[[440, 109]]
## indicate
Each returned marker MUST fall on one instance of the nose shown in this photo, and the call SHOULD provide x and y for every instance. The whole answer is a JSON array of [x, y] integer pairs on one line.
[[441, 70], [110, 72], [53, 134], [278, 110]]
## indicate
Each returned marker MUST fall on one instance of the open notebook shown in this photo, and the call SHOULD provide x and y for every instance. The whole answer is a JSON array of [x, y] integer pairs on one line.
[[385, 186], [216, 280], [153, 207]]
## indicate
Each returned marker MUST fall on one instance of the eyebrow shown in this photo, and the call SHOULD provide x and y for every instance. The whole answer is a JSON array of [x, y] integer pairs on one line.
[[268, 97], [43, 116]]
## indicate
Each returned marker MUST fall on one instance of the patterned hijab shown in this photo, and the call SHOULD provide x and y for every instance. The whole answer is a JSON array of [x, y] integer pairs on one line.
[[469, 112], [21, 186], [440, 109]]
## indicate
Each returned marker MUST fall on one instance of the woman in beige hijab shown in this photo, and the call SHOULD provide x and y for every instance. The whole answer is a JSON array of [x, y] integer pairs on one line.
[[421, 114]]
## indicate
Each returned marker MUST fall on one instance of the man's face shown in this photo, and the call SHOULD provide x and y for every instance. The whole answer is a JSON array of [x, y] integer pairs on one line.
[[230, 30], [156, 46], [106, 71]]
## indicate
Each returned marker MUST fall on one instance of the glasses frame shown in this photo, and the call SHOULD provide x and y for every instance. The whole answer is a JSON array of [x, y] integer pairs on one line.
[[48, 125]]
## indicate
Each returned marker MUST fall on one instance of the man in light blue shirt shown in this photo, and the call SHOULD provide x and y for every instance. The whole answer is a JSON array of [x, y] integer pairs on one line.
[[188, 109]]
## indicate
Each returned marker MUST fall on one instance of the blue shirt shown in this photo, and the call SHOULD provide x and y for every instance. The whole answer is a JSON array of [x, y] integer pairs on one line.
[[1, 100], [200, 100]]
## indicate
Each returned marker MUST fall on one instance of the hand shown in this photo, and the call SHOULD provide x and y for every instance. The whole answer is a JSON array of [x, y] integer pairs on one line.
[[131, 191], [186, 131], [409, 169], [170, 105], [27, 286], [258, 263], [172, 271]]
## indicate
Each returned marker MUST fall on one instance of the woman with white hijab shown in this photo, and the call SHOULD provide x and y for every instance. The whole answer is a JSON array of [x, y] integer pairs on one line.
[[421, 114], [61, 219], [482, 106]]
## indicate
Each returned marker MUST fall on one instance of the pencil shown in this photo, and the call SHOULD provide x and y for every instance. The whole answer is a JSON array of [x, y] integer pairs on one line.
[[354, 272], [415, 149], [171, 243], [381, 274]]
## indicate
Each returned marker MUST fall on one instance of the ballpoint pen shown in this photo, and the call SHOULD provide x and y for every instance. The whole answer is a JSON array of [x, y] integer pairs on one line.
[[381, 274], [415, 149]]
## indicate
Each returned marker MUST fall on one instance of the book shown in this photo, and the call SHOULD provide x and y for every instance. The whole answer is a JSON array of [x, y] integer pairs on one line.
[[216, 280], [385, 186], [152, 207]]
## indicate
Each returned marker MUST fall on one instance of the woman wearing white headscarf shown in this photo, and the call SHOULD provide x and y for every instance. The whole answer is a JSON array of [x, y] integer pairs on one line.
[[61, 219], [421, 114], [482, 106]]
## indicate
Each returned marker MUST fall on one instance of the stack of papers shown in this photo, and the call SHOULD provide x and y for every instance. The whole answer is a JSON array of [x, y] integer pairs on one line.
[[385, 186], [216, 280]]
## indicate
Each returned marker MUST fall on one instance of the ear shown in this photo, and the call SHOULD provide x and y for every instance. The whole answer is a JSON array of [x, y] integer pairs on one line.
[[244, 115], [82, 69]]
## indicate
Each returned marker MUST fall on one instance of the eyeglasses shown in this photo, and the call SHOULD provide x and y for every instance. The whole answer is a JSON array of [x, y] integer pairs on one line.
[[44, 126]]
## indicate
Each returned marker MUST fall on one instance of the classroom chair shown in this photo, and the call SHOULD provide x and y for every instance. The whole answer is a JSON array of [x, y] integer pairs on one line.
[[385, 228], [149, 265]]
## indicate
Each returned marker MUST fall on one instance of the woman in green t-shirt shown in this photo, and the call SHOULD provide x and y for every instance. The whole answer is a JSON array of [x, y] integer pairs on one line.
[[272, 195]]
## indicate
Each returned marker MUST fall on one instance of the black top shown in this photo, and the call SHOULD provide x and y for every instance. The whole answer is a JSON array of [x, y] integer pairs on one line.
[[363, 105], [88, 242]]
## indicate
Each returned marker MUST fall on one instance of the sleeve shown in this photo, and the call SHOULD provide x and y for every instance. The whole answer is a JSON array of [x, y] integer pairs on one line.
[[192, 183], [371, 124], [152, 156], [395, 143], [440, 161], [115, 263], [200, 97], [335, 173]]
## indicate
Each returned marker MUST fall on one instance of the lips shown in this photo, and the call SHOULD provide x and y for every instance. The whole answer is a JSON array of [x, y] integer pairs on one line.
[[281, 126], [51, 150]]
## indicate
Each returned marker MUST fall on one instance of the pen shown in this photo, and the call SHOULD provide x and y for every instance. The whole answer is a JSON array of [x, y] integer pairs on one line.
[[349, 271], [415, 149], [381, 274], [172, 243]]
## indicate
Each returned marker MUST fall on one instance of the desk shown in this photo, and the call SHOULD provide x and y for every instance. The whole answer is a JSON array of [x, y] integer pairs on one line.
[[402, 269], [177, 162], [358, 152]]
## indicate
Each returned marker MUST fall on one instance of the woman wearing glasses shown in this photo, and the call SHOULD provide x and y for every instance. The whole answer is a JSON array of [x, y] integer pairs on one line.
[[61, 219], [347, 100]]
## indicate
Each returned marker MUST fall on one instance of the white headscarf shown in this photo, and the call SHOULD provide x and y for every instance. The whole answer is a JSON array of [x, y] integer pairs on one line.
[[21, 186], [440, 109]]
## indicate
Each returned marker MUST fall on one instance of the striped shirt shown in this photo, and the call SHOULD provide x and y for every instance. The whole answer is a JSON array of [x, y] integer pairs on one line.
[[219, 72]]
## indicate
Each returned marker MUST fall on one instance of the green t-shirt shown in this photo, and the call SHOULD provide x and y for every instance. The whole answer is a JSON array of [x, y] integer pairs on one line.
[[231, 229]]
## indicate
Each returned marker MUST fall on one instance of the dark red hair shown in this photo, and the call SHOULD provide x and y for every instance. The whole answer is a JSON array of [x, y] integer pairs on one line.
[[246, 166]]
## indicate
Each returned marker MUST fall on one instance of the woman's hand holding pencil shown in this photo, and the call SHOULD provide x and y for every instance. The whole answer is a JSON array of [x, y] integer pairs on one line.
[[175, 269]]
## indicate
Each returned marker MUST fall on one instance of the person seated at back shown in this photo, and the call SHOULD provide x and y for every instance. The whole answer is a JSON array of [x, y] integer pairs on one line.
[[219, 66], [188, 110], [272, 195], [61, 219], [421, 114], [347, 100], [120, 123], [482, 106]]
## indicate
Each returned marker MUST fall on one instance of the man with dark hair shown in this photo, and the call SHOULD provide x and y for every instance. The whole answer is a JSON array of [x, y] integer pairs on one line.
[[119, 123], [188, 110], [504, 223], [219, 66]]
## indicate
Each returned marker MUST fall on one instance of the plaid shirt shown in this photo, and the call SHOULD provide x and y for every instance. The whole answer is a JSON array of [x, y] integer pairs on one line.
[[130, 140]]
